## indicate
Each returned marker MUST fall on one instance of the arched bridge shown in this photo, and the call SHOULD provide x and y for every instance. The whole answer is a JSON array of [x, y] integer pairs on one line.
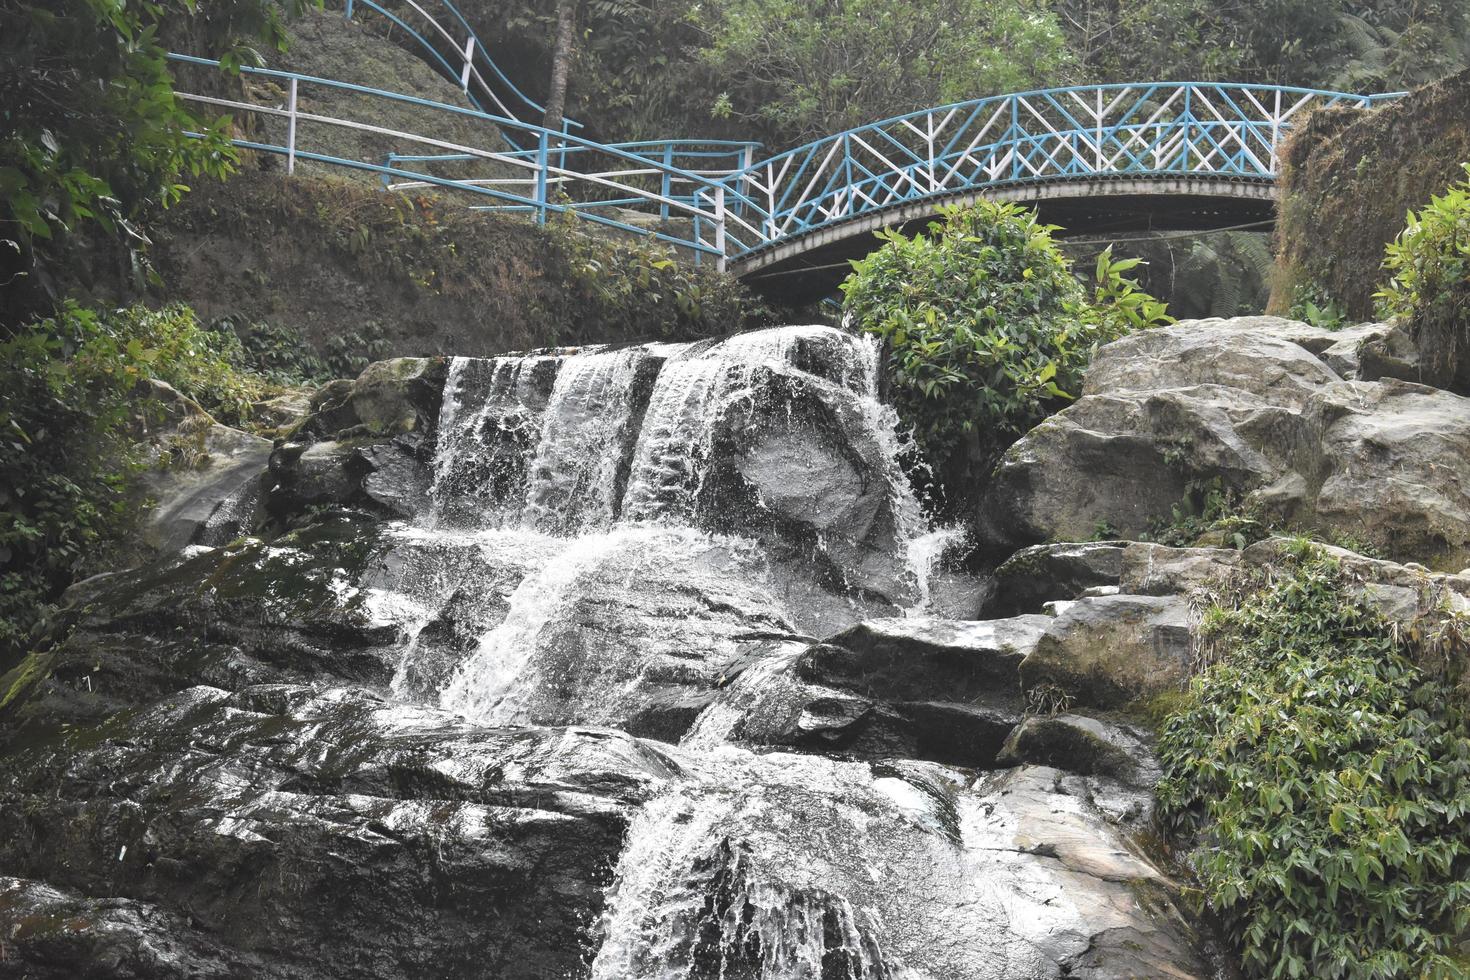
[[1095, 158], [1101, 158]]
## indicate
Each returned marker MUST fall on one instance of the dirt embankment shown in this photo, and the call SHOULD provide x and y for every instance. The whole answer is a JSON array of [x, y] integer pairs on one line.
[[1349, 176], [413, 274]]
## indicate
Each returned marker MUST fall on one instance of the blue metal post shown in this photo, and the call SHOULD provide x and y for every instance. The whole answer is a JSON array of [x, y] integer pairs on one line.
[[349, 9], [541, 160], [667, 185], [1188, 118]]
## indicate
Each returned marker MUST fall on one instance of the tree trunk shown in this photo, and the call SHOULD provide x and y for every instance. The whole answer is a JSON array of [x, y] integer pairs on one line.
[[561, 63]]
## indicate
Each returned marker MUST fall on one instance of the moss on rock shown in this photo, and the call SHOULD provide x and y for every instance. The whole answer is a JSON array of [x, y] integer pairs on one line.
[[1349, 176]]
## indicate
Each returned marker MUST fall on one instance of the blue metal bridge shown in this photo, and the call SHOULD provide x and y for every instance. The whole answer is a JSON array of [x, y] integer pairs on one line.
[[1168, 154]]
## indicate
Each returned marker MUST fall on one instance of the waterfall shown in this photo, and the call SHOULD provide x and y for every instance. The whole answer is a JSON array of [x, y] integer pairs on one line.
[[489, 424], [611, 528], [574, 477], [698, 897]]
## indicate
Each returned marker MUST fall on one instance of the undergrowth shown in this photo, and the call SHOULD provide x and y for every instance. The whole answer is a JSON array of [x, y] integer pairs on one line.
[[74, 408], [1430, 285], [1317, 777]]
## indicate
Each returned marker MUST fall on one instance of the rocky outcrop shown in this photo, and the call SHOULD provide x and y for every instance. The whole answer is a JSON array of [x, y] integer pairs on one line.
[[290, 826], [1247, 408], [364, 444]]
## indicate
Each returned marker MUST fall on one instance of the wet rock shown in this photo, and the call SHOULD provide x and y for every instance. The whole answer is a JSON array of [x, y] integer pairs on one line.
[[388, 477], [52, 934], [927, 659], [209, 496], [230, 617], [1107, 651], [920, 869], [631, 628], [1081, 745], [296, 825], [800, 465], [1036, 575]]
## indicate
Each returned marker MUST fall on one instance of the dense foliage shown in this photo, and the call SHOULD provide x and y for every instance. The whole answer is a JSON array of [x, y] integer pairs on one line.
[[800, 71], [988, 331], [1355, 45], [1430, 284], [1324, 778], [92, 131], [735, 68], [73, 410]]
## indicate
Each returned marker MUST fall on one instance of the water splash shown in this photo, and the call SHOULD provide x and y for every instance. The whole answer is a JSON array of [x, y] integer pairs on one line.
[[707, 888]]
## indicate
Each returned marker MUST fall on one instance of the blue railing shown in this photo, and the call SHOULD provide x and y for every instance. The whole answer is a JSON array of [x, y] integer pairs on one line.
[[479, 77], [1099, 131], [736, 207], [541, 181]]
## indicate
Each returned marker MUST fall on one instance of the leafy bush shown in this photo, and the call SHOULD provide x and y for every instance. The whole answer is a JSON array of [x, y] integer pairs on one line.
[[1326, 780], [640, 289], [988, 329], [275, 351], [1430, 288], [70, 414], [1311, 303]]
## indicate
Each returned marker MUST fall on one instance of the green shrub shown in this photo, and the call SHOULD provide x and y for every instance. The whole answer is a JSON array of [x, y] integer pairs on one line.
[[274, 351], [987, 328], [69, 414], [1324, 780], [1430, 288]]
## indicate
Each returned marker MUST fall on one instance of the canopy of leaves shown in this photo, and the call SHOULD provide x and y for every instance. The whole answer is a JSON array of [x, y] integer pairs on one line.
[[988, 331], [1356, 45], [92, 130], [1325, 781], [803, 70]]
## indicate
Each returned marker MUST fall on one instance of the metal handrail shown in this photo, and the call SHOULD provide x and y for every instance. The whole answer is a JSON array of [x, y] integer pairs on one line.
[[1142, 129], [1092, 132], [708, 204], [473, 54]]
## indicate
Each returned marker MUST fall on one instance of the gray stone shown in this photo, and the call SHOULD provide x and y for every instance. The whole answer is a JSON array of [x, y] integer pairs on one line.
[[926, 659], [1033, 576], [215, 493], [1081, 745], [1223, 403], [1108, 651]]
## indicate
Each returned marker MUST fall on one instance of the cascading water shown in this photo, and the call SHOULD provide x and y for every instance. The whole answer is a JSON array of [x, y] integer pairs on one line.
[[620, 525]]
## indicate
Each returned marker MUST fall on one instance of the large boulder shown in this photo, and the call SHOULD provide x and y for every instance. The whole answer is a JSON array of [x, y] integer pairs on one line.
[[1244, 407]]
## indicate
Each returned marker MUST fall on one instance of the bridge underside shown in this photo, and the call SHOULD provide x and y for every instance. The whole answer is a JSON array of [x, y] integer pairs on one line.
[[808, 267]]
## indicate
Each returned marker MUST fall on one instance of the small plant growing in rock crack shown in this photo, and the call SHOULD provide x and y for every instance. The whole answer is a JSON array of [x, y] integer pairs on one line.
[[1430, 285], [1318, 779], [1210, 513], [1047, 700]]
